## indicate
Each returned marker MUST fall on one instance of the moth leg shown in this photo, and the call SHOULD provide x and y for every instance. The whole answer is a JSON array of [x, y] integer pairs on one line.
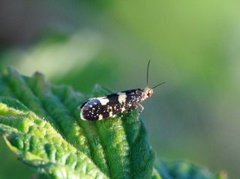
[[140, 108]]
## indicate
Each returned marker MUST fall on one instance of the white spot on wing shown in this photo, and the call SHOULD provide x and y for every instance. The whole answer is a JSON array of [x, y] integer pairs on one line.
[[103, 100], [110, 114], [81, 115], [100, 117], [122, 97]]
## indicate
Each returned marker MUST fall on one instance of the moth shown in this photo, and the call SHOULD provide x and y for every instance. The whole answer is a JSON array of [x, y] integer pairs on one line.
[[99, 108]]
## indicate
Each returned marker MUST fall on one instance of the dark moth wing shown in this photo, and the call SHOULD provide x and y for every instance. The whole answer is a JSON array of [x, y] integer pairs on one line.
[[110, 105], [90, 109]]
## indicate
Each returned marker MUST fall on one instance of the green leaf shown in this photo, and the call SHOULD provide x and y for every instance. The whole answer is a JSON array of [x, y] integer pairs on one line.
[[183, 170], [40, 122]]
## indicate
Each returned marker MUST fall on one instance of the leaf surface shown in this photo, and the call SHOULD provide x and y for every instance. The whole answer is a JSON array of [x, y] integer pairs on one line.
[[40, 122]]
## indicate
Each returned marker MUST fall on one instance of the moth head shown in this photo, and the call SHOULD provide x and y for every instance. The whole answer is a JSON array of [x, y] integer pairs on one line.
[[148, 92]]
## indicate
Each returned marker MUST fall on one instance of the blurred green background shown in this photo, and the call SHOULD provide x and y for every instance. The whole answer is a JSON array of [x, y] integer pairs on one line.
[[193, 45]]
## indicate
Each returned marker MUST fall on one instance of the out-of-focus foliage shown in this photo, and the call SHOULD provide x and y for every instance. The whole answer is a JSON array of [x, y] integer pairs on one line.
[[183, 170]]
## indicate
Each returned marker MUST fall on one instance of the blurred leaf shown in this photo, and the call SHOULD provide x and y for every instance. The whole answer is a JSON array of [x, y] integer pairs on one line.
[[40, 123], [185, 170]]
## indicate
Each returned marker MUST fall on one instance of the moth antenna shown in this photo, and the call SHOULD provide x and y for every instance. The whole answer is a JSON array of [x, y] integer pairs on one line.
[[158, 85], [148, 70]]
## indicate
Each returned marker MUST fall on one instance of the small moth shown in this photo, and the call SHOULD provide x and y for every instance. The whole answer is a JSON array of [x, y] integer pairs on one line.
[[99, 108]]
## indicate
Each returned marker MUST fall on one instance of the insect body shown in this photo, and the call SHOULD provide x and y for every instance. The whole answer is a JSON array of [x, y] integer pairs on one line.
[[108, 106]]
